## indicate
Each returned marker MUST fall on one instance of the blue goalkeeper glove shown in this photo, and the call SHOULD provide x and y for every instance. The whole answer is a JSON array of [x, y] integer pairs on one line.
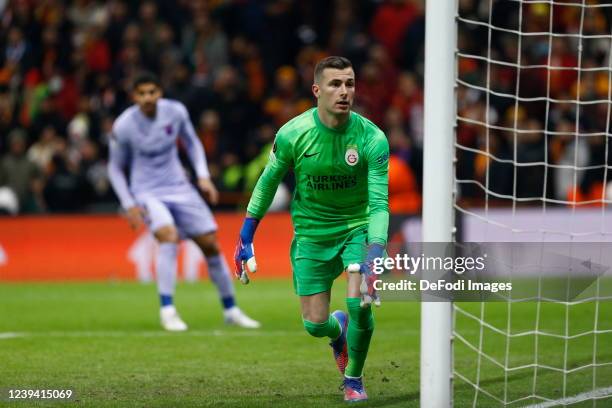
[[368, 277], [244, 255]]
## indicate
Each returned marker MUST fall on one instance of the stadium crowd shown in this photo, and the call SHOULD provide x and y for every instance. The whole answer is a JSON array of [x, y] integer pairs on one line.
[[549, 120], [244, 67]]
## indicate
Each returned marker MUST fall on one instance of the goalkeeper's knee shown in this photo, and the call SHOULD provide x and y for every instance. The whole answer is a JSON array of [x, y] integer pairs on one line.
[[316, 329]]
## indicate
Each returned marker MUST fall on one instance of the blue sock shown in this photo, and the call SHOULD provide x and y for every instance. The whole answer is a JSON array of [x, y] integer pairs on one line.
[[228, 302], [165, 300]]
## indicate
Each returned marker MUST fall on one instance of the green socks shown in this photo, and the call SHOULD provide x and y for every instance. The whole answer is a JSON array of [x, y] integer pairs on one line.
[[330, 328], [359, 333], [360, 329]]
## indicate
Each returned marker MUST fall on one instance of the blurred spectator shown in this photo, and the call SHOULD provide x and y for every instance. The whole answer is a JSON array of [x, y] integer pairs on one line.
[[599, 161], [231, 173], [236, 113], [412, 45], [97, 51], [94, 172], [347, 35], [46, 114], [408, 99], [567, 150], [374, 94], [8, 202], [259, 152], [285, 101], [205, 36], [20, 174], [530, 150], [86, 14], [208, 131], [404, 196], [168, 53], [118, 19], [8, 119], [277, 33], [246, 54], [150, 29], [43, 150], [17, 51], [391, 21], [66, 190]]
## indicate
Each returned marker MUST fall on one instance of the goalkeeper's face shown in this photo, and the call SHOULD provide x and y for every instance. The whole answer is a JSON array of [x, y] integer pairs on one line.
[[335, 90]]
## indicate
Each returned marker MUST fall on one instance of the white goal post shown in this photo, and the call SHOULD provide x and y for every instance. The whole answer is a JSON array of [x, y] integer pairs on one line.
[[536, 106], [440, 40]]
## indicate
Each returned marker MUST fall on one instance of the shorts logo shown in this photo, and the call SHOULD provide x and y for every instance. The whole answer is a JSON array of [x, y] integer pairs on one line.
[[351, 157]]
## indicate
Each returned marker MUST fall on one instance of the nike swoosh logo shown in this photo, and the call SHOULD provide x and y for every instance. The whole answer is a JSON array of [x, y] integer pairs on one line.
[[310, 155]]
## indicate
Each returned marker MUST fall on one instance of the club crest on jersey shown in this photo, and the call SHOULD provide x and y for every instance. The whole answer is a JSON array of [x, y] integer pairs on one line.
[[168, 129], [351, 156]]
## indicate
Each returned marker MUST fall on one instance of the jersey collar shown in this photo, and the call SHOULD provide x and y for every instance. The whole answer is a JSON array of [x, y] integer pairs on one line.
[[324, 128]]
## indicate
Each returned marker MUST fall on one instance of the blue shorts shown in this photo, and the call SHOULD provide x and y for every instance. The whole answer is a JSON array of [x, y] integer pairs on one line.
[[186, 210]]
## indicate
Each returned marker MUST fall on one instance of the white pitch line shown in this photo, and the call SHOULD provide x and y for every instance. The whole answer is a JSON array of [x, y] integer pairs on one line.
[[161, 333], [585, 396], [9, 335]]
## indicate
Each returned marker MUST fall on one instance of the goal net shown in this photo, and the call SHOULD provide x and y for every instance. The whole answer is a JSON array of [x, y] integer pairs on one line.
[[533, 154]]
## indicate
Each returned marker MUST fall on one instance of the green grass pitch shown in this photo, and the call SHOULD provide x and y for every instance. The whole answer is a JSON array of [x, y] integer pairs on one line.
[[103, 341]]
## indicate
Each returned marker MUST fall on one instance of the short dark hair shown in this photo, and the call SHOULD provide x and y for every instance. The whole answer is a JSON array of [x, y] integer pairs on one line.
[[145, 77], [334, 62]]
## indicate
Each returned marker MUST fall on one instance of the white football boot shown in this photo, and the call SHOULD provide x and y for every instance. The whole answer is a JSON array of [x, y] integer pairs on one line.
[[170, 319], [235, 316]]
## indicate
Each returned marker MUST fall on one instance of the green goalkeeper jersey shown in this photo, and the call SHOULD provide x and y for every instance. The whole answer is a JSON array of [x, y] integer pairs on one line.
[[341, 177]]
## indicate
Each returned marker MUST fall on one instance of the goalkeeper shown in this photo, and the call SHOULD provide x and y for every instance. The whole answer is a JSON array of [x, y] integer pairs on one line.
[[339, 212]]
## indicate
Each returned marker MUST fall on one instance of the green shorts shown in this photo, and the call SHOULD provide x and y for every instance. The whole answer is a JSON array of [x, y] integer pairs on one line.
[[317, 264]]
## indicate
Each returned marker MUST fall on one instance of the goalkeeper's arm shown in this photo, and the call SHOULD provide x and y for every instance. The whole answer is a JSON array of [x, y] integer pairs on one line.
[[377, 155], [265, 189]]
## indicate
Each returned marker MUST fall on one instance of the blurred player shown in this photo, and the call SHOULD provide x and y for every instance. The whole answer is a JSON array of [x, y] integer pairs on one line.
[[144, 143], [339, 209]]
